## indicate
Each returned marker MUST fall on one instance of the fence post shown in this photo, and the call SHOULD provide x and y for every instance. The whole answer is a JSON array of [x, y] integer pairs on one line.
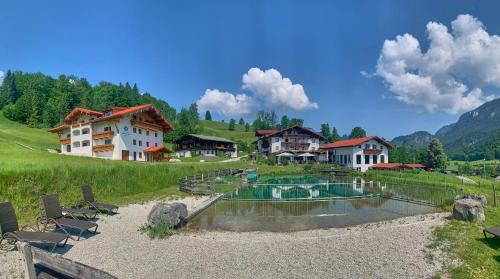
[[29, 267], [494, 196]]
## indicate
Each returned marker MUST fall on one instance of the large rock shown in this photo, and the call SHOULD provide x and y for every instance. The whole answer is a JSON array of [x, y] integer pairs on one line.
[[481, 199], [171, 213], [468, 209]]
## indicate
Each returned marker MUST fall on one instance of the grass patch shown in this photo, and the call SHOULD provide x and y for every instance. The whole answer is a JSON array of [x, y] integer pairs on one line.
[[161, 230]]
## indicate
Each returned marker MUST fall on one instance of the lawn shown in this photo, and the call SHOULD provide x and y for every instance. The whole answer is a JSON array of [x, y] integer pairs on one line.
[[28, 171], [463, 240], [220, 129]]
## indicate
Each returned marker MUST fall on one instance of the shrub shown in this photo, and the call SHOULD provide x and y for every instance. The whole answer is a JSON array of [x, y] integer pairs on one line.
[[160, 230]]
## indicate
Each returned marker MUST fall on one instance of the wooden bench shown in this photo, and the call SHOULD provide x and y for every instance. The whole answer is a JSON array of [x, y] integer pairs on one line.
[[41, 264]]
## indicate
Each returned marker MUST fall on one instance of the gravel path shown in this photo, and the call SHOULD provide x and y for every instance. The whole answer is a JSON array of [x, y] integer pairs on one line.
[[391, 249]]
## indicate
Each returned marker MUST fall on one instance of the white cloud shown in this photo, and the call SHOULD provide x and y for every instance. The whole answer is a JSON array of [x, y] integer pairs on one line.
[[225, 103], [2, 75], [267, 89], [449, 76]]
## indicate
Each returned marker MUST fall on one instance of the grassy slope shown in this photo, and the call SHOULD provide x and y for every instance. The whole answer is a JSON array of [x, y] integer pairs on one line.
[[27, 174], [219, 129], [463, 239]]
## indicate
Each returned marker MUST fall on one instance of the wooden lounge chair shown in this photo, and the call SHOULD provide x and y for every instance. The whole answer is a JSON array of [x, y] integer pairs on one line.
[[495, 231], [9, 230], [54, 215], [88, 198]]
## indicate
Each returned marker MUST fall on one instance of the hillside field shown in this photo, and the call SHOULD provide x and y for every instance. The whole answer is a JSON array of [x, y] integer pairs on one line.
[[28, 171], [220, 129]]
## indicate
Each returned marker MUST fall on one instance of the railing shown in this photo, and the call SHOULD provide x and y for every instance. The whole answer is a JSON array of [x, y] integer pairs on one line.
[[370, 151], [204, 184], [103, 147], [102, 135], [65, 141], [48, 263], [145, 125]]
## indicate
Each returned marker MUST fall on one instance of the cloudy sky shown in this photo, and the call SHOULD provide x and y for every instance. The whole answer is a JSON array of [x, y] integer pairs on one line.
[[392, 67]]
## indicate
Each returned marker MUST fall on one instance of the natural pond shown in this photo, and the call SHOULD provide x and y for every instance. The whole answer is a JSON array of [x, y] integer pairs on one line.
[[283, 204]]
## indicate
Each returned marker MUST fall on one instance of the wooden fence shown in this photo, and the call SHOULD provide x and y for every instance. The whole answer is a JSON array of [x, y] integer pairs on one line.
[[50, 265], [204, 183]]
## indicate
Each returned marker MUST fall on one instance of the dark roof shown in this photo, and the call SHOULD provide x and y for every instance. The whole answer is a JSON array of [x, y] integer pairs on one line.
[[308, 130], [204, 137]]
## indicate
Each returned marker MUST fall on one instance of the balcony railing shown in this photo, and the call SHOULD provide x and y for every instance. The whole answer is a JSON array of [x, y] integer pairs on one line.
[[65, 140], [145, 125], [103, 147], [102, 135], [370, 151]]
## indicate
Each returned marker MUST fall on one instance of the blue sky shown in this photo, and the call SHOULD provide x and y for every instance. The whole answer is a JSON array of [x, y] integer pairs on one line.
[[176, 50]]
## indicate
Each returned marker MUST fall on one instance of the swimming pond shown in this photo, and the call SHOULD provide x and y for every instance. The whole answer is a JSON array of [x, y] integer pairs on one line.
[[293, 203]]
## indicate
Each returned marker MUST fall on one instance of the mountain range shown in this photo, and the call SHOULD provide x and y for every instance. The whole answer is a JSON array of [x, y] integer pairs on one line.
[[476, 134]]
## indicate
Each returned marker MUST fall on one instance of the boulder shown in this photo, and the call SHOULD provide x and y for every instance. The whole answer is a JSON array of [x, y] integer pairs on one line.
[[174, 214], [481, 199], [468, 209]]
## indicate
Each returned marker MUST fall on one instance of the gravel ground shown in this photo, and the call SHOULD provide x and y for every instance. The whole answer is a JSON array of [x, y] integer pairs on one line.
[[391, 249]]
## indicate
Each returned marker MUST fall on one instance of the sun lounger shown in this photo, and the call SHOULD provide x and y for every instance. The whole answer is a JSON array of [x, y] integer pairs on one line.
[[54, 215], [9, 230], [84, 212], [495, 231], [88, 198]]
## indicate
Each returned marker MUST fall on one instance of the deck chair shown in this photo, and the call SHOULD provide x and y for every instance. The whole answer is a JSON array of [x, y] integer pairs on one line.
[[495, 231], [54, 215], [88, 198], [9, 230], [84, 212]]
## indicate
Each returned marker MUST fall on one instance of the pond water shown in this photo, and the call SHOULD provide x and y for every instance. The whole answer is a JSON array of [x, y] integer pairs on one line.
[[283, 204]]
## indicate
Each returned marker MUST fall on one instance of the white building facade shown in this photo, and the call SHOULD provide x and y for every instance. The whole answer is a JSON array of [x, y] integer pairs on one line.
[[130, 134], [358, 154]]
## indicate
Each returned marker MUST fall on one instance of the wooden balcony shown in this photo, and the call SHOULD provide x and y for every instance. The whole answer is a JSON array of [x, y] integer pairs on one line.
[[103, 147], [65, 140], [372, 151], [145, 125], [102, 135]]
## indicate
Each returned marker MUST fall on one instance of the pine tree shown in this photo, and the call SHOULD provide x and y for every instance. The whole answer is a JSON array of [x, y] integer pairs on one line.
[[437, 157], [325, 130], [334, 136], [232, 124], [241, 122], [285, 122], [208, 115], [247, 127]]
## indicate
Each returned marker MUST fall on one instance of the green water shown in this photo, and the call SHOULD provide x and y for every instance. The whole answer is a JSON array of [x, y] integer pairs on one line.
[[291, 203]]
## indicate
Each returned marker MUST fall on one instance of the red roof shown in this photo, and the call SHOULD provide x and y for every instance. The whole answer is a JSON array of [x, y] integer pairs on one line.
[[59, 128], [148, 107], [265, 132], [77, 111], [388, 166], [354, 142], [158, 148]]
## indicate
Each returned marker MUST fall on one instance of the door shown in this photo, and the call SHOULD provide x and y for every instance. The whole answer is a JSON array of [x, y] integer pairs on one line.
[[125, 155], [135, 156]]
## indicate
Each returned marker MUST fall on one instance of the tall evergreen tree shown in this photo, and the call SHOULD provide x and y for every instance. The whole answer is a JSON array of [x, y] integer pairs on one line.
[[193, 110], [325, 130], [296, 122], [437, 157], [241, 121], [334, 136], [247, 127], [285, 122], [232, 125], [208, 115], [9, 92]]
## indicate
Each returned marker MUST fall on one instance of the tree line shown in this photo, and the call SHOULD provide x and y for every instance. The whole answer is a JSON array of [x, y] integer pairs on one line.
[[432, 156]]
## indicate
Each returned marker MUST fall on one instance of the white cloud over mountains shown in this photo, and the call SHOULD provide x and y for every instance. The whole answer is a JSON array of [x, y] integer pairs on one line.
[[449, 76], [267, 89]]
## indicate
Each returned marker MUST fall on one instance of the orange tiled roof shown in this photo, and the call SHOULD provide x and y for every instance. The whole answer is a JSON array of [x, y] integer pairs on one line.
[[158, 148], [166, 125], [354, 142], [77, 111]]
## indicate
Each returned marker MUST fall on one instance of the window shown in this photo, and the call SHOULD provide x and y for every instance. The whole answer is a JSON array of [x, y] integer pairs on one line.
[[107, 128], [134, 130], [374, 146], [358, 159], [147, 133], [367, 146], [375, 159], [156, 134], [76, 144], [156, 144], [85, 143], [107, 141], [68, 148], [381, 147], [76, 132], [85, 131], [382, 159], [147, 144], [140, 142], [140, 131], [367, 159], [140, 154], [134, 142]]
